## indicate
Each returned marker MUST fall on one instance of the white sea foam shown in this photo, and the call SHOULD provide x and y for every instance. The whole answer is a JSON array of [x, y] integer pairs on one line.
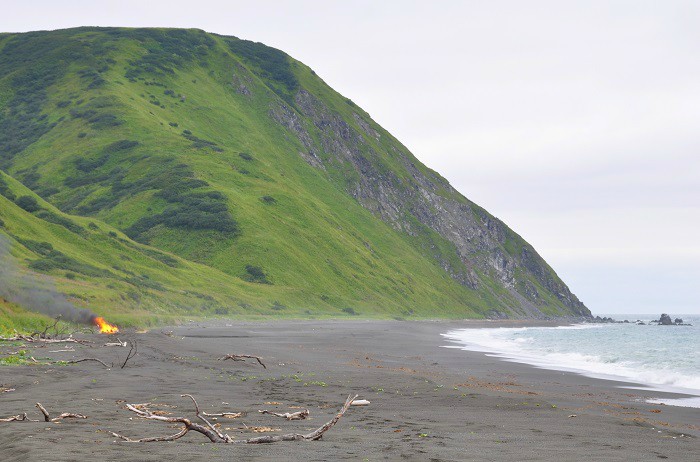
[[661, 358]]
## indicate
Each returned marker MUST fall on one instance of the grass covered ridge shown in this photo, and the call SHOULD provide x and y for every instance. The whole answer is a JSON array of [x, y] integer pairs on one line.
[[144, 173]]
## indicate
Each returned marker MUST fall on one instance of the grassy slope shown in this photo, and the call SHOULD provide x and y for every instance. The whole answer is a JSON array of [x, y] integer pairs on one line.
[[322, 251]]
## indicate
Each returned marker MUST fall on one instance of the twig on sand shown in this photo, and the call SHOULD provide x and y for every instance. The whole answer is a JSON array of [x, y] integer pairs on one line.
[[242, 358], [132, 352], [75, 361]]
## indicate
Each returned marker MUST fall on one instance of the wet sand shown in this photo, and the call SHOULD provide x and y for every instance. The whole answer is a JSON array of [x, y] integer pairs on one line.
[[427, 402]]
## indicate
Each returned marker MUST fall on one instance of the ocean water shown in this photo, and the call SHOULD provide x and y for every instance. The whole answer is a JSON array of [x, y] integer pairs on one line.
[[662, 358]]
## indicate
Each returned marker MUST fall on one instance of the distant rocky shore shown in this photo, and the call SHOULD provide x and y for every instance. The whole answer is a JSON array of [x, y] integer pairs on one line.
[[664, 320]]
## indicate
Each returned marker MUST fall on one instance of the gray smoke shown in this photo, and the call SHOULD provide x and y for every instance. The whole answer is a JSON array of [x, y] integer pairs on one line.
[[35, 292]]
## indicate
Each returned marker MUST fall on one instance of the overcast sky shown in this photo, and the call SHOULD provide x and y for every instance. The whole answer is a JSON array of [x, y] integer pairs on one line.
[[577, 123]]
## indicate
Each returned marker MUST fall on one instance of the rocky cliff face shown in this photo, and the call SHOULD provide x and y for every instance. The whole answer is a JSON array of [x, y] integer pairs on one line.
[[422, 199]]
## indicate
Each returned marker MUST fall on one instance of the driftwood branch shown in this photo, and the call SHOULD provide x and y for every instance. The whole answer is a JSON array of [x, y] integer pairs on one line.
[[132, 352], [35, 338], [242, 358], [230, 415], [118, 343], [300, 415], [16, 418], [215, 436], [75, 361], [65, 415], [44, 333], [47, 416]]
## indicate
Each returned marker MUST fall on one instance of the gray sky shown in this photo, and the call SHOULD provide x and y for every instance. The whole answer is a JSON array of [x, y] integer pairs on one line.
[[577, 123]]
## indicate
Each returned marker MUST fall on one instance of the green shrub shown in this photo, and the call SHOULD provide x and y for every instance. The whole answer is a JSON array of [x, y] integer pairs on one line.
[[41, 248], [268, 199], [61, 221], [28, 203], [245, 156], [5, 190], [255, 274], [56, 260], [269, 62]]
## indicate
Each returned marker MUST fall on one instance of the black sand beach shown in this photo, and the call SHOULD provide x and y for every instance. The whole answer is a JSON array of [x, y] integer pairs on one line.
[[427, 402]]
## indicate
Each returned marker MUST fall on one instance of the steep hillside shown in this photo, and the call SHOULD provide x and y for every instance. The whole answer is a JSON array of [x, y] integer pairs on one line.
[[273, 193]]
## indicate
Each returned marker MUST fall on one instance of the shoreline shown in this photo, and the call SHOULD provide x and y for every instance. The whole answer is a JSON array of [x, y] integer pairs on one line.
[[427, 402], [684, 396]]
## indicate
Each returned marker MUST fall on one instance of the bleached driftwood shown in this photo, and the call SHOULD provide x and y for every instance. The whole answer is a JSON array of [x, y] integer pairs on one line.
[[37, 339], [360, 402], [299, 415], [65, 415], [215, 436], [229, 415], [242, 358], [47, 416]]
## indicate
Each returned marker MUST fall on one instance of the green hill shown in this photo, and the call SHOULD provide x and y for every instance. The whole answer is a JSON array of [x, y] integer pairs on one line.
[[179, 172]]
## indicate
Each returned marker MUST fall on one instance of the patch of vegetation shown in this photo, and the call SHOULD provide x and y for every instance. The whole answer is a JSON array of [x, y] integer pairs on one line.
[[28, 203], [5, 190], [270, 63], [245, 156], [144, 281], [67, 223], [88, 165], [96, 113], [33, 61], [255, 274], [38, 247], [268, 200], [167, 49], [56, 260], [188, 209], [199, 143], [16, 359]]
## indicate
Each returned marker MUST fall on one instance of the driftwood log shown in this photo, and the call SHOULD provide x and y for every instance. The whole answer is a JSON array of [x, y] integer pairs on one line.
[[243, 358], [300, 415], [215, 436]]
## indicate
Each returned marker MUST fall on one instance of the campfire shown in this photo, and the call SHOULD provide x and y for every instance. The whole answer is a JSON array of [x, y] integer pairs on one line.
[[105, 327]]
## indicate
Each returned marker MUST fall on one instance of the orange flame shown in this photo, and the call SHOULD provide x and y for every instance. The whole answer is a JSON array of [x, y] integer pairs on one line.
[[105, 327]]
